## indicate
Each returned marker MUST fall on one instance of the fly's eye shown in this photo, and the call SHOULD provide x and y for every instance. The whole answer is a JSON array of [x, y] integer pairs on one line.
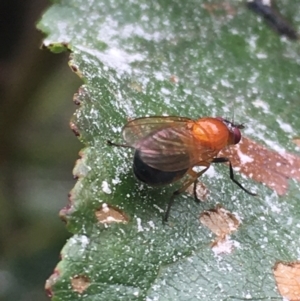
[[236, 135]]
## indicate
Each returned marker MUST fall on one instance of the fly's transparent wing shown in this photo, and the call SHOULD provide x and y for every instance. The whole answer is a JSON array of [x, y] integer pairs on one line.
[[173, 148], [140, 128]]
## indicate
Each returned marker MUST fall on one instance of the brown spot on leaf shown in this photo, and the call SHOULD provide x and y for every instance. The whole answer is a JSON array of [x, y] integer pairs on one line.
[[74, 68], [297, 141], [65, 212], [80, 283], [50, 282], [287, 276], [76, 99], [108, 214], [264, 165], [174, 79], [214, 8], [79, 95], [136, 86], [201, 191], [222, 223], [74, 128]]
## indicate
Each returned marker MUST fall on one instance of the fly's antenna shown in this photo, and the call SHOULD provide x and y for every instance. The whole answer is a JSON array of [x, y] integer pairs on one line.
[[233, 111]]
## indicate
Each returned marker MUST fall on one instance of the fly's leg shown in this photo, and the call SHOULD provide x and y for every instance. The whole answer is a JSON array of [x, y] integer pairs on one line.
[[231, 174], [195, 175], [193, 179], [117, 144], [195, 192]]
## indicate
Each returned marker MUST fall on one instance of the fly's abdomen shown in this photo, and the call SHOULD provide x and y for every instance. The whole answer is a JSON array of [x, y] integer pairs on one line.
[[153, 176]]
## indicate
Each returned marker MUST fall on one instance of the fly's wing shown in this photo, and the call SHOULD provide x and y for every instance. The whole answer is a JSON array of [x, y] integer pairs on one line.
[[173, 148], [139, 128]]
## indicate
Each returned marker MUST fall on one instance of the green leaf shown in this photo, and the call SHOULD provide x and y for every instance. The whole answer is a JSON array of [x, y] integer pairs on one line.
[[228, 63]]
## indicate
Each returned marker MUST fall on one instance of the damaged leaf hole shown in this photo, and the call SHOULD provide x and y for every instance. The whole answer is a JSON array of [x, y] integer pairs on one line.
[[202, 191], [80, 283], [74, 128], [108, 214], [75, 69], [222, 223], [287, 276]]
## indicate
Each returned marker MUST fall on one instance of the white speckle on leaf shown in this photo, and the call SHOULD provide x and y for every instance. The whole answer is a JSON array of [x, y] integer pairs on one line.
[[158, 208], [159, 76], [258, 103], [139, 225], [165, 91], [115, 58], [84, 241], [187, 91], [105, 207], [226, 83], [284, 126], [252, 42], [116, 181], [261, 55], [151, 224], [211, 172], [105, 187], [270, 200], [244, 158], [234, 31], [81, 240], [289, 221]]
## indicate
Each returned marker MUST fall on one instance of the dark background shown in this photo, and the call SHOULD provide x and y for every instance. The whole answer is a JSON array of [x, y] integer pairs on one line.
[[37, 153]]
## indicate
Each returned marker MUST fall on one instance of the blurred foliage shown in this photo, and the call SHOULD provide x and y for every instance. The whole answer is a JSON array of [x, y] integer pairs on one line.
[[37, 153]]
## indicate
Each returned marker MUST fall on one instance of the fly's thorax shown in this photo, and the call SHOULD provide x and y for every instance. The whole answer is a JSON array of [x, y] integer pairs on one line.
[[211, 132]]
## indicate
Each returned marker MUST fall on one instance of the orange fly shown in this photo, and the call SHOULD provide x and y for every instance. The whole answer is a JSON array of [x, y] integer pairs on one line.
[[168, 147]]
